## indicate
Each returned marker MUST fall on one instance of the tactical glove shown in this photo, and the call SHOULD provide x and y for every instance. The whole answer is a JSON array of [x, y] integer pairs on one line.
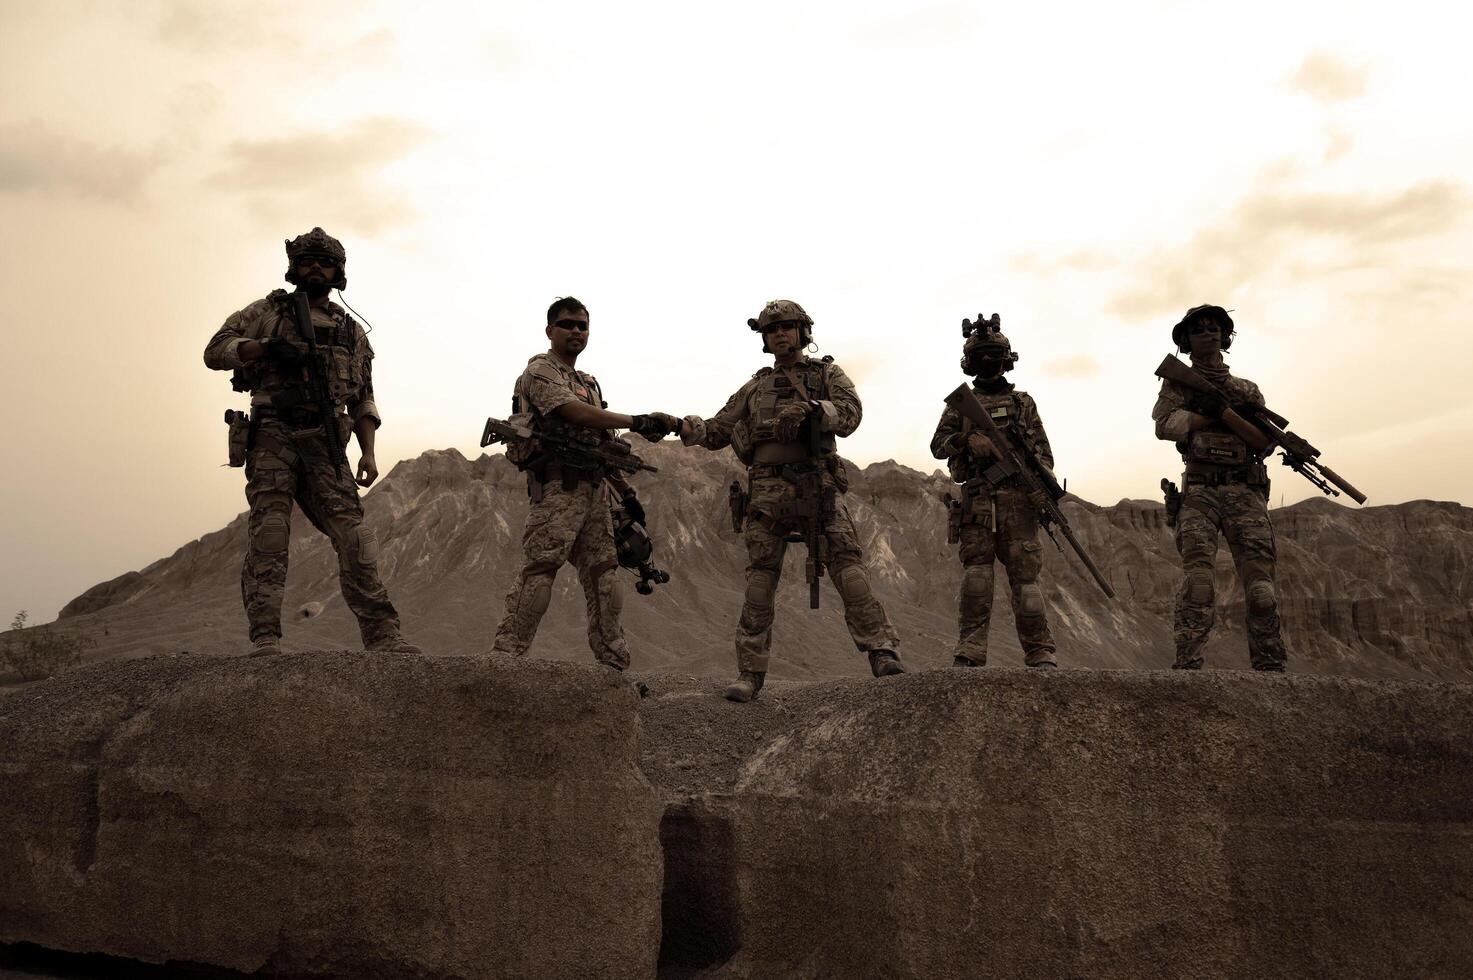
[[654, 426], [632, 507], [1211, 404], [980, 446], [281, 350], [787, 422]]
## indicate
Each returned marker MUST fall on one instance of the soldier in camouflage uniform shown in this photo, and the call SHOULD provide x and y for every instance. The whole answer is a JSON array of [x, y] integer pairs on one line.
[[288, 457], [569, 517], [1225, 489], [766, 423], [998, 520]]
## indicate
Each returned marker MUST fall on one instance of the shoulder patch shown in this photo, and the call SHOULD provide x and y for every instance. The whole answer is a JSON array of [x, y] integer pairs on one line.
[[541, 369]]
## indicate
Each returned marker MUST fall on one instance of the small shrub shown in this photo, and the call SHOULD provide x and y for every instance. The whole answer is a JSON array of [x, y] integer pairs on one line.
[[37, 652]]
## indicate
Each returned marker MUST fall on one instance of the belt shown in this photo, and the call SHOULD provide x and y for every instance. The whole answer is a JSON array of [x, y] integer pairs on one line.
[[298, 417], [568, 476], [760, 471], [1254, 475]]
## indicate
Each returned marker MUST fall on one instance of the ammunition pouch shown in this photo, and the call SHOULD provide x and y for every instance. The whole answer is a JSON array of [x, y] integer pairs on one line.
[[239, 436], [556, 471], [1216, 447], [976, 505]]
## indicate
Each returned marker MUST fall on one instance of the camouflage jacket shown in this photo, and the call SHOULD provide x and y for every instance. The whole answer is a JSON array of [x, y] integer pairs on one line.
[[547, 383], [1172, 414], [1012, 410], [340, 341], [744, 422]]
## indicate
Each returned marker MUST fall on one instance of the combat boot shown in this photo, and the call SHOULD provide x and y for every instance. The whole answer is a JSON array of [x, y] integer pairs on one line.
[[265, 646], [960, 661], [392, 641], [1045, 665], [639, 685], [746, 686], [884, 663]]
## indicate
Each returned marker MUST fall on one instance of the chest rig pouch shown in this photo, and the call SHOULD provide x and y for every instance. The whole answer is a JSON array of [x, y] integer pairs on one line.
[[1216, 447], [779, 389], [981, 477]]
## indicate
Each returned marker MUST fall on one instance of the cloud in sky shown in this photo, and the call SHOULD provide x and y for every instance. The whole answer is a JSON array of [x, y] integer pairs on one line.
[[1329, 79], [1078, 366], [218, 28], [35, 158], [1257, 235], [335, 174]]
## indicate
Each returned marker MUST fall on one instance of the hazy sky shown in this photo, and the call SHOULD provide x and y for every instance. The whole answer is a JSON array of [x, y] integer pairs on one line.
[[1086, 170]]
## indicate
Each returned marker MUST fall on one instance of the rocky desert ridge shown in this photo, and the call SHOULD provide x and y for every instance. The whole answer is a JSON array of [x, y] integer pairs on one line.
[[1380, 591]]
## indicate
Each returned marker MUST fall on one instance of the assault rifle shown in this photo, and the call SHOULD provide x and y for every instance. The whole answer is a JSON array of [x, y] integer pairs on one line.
[[1032, 478], [317, 387], [1298, 454], [613, 453]]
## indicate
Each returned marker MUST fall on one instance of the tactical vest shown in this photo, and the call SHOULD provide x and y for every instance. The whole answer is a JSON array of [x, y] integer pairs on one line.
[[1005, 410], [586, 388], [1215, 454], [337, 337], [775, 390]]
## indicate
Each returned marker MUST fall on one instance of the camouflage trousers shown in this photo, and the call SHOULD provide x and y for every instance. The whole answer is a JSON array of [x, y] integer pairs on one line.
[[1002, 527], [869, 627], [567, 526], [1240, 512], [281, 469]]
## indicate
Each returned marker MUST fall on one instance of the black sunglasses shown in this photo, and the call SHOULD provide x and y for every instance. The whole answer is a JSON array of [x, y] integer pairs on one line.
[[572, 325]]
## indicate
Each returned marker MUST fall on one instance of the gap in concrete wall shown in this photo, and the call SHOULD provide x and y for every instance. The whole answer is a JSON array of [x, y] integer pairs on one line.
[[698, 911]]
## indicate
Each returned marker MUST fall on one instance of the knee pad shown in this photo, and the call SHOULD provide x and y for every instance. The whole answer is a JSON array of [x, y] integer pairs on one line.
[[1199, 586], [760, 586], [272, 534], [1261, 598], [977, 581], [853, 583], [538, 591], [1030, 601], [367, 545]]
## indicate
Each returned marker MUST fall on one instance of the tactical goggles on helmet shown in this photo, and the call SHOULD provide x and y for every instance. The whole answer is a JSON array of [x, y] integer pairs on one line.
[[782, 325], [321, 261]]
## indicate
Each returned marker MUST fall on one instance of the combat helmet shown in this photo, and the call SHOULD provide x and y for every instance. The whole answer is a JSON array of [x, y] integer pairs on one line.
[[317, 242], [784, 311], [986, 342], [1179, 332]]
